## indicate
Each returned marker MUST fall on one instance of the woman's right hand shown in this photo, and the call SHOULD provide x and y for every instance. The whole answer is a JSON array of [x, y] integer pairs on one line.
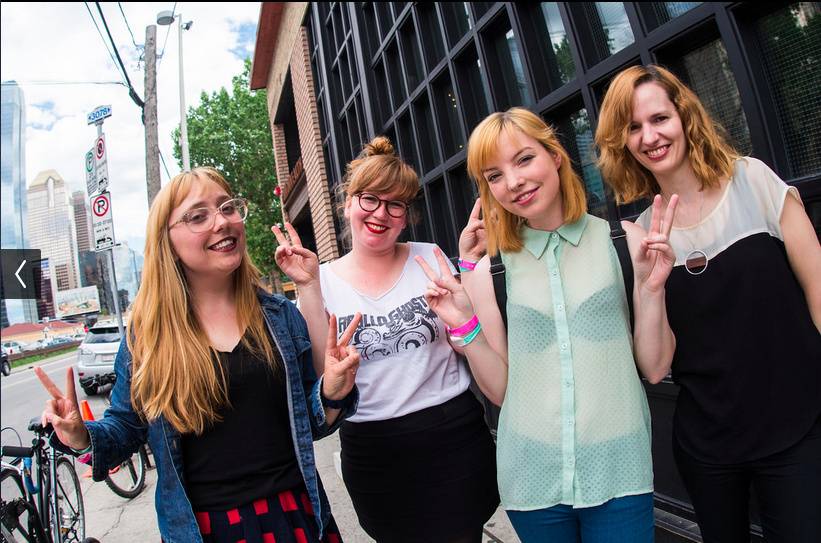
[[473, 240], [63, 412], [298, 263], [445, 295]]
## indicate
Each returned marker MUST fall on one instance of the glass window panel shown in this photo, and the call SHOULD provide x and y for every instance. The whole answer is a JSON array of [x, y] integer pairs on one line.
[[384, 17], [343, 141], [463, 192], [507, 74], [790, 44], [370, 32], [471, 90], [395, 75], [658, 13], [339, 31], [707, 71], [424, 126], [381, 96], [440, 213], [450, 126], [398, 7], [407, 146], [421, 230], [345, 75], [457, 20], [413, 60], [480, 8], [336, 90], [547, 45], [576, 135], [605, 28], [429, 28]]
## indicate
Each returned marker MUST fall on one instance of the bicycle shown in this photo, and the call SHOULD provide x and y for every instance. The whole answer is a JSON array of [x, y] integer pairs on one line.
[[50, 511], [128, 479]]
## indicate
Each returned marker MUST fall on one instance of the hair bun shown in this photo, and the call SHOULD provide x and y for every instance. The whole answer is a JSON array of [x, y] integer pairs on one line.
[[380, 145]]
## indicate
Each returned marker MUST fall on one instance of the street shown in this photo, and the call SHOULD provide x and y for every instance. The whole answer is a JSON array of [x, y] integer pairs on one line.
[[111, 518]]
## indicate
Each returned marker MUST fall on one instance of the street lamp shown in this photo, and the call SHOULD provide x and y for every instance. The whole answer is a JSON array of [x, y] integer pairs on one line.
[[166, 18]]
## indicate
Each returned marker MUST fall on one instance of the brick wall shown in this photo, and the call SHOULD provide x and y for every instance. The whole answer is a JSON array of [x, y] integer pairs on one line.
[[310, 142], [281, 158]]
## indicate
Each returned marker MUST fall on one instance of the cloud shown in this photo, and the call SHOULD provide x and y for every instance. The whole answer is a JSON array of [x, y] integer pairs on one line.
[[66, 47]]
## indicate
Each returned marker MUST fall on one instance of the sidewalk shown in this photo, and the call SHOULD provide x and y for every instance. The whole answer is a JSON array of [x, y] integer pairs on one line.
[[497, 529]]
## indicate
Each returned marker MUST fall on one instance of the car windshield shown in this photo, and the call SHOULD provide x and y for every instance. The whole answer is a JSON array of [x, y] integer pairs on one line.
[[103, 335]]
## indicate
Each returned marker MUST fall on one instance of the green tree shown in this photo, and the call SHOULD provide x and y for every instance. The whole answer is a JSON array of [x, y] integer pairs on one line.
[[229, 131]]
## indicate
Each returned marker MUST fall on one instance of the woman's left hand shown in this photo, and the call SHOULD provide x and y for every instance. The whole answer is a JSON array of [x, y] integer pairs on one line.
[[653, 257], [341, 361]]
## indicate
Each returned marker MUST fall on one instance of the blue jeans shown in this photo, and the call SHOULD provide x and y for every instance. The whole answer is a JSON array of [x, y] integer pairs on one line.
[[621, 520]]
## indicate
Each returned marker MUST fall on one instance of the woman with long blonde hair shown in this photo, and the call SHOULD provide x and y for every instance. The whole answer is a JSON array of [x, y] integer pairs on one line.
[[217, 376], [744, 300], [573, 447]]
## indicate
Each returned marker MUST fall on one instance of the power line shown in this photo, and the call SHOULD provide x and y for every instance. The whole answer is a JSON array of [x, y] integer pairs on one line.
[[131, 92], [105, 44], [162, 158], [64, 83], [128, 26]]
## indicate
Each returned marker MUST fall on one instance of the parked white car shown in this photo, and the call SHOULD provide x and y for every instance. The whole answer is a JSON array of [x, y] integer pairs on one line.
[[12, 347], [95, 356]]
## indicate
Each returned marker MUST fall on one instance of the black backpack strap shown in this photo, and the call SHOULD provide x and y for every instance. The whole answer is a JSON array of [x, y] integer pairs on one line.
[[619, 238], [497, 273]]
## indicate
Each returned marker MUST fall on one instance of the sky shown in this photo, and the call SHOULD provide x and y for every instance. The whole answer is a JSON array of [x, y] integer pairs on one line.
[[42, 44]]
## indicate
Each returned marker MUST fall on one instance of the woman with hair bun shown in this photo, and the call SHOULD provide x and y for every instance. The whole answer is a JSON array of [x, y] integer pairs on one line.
[[744, 301], [417, 458]]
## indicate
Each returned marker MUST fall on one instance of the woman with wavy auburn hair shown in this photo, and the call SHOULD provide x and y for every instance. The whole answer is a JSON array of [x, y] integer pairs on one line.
[[212, 360], [573, 447], [744, 301]]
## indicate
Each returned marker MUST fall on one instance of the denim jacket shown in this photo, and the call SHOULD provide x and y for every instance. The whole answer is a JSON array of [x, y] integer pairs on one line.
[[121, 431]]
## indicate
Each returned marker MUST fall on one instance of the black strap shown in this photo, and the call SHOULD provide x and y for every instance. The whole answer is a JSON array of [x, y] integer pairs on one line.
[[619, 238]]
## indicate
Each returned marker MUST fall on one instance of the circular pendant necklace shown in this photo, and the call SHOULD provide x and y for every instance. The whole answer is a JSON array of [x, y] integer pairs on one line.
[[696, 260]]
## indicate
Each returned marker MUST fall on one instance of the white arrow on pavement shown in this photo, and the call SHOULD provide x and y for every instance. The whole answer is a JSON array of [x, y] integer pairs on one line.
[[16, 274]]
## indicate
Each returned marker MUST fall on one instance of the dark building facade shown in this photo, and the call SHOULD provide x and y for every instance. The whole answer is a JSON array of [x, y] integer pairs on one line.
[[425, 74]]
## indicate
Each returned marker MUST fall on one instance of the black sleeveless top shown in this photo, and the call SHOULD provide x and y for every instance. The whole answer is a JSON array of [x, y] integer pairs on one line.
[[748, 356], [249, 454]]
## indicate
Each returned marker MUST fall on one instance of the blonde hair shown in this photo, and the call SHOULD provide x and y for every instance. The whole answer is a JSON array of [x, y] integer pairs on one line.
[[711, 157], [504, 228], [174, 365]]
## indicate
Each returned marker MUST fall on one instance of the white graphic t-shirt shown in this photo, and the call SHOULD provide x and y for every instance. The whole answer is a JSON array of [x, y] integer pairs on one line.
[[406, 362]]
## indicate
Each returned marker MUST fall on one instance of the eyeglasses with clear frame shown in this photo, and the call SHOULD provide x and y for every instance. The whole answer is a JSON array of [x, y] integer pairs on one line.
[[370, 202], [202, 219]]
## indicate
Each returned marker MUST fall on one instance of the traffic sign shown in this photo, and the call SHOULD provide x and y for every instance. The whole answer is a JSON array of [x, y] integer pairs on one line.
[[102, 222], [98, 114], [91, 173], [101, 158]]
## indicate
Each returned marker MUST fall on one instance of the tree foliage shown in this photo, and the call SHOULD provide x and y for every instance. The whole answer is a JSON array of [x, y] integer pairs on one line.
[[229, 131]]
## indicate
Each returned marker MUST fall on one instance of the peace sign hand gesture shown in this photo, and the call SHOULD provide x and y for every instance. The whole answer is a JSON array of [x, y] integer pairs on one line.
[[473, 240], [298, 263], [445, 295], [653, 257], [63, 412], [341, 361]]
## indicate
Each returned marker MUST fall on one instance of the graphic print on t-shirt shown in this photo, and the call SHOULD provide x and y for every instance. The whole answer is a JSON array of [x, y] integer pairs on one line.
[[409, 326]]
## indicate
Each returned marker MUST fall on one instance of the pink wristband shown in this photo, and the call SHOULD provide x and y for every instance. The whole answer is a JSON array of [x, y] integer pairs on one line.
[[466, 265], [465, 329]]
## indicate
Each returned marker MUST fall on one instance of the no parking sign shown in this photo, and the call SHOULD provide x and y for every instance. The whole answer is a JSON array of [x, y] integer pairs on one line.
[[102, 222]]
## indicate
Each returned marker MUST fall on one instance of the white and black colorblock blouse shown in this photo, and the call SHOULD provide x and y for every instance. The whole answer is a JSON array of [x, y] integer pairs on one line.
[[748, 356]]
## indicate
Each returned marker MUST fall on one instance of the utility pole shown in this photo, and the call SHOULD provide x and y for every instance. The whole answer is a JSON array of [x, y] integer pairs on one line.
[[152, 145]]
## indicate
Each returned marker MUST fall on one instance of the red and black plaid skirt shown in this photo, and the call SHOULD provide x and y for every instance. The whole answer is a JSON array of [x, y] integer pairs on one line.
[[285, 518]]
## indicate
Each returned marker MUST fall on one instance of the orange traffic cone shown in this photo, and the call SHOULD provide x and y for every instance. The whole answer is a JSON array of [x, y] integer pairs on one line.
[[85, 411]]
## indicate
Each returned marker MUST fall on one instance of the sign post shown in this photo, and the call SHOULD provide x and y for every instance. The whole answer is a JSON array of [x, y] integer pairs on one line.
[[103, 224]]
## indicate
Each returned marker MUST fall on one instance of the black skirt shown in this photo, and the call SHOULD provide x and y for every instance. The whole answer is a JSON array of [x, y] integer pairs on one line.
[[428, 476]]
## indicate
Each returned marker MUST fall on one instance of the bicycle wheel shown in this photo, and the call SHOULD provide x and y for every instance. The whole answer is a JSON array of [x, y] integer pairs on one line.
[[128, 479], [70, 510], [20, 521]]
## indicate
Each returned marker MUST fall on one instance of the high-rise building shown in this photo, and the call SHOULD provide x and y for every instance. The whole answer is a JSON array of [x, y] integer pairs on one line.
[[94, 272], [51, 227], [13, 191], [128, 274], [45, 303], [82, 220]]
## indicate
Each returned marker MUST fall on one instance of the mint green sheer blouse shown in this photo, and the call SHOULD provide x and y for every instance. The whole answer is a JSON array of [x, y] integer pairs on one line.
[[574, 427]]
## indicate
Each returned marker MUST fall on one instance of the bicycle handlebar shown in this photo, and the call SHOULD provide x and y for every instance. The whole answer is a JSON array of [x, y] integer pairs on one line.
[[16, 452]]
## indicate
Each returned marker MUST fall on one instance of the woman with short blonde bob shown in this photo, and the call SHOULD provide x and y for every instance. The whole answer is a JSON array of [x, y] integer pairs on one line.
[[216, 375], [417, 458], [744, 301], [573, 448]]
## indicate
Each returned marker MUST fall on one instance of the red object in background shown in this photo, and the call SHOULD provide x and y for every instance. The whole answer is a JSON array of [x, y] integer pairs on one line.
[[85, 328], [277, 191]]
